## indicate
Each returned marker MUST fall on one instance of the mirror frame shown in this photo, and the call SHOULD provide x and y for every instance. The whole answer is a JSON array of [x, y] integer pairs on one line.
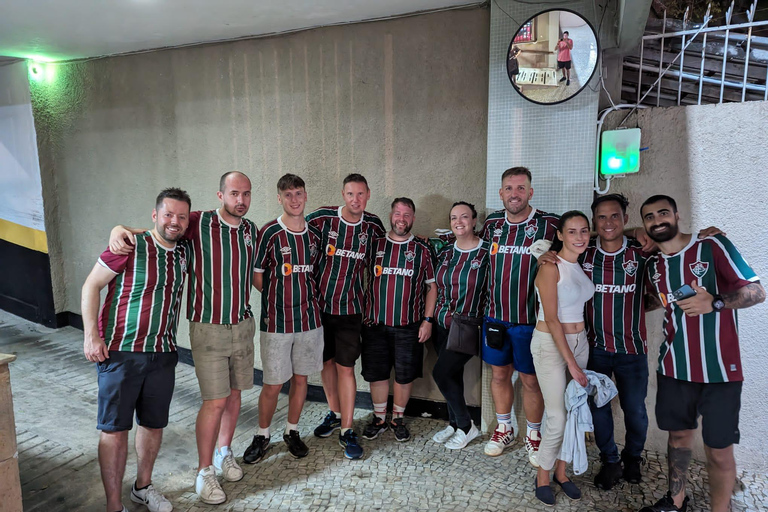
[[586, 83]]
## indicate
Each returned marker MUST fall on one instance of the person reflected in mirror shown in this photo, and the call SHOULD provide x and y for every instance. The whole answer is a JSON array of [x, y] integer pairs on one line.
[[513, 66], [563, 49]]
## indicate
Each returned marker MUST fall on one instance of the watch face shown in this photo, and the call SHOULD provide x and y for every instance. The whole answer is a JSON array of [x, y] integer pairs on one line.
[[719, 304]]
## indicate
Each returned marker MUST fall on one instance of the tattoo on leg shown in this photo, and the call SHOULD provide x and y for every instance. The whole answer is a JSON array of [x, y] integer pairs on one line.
[[678, 460]]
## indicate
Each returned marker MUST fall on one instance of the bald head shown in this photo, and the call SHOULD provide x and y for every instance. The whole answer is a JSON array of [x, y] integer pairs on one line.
[[231, 174]]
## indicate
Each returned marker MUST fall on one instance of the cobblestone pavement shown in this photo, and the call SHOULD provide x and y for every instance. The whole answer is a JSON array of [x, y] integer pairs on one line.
[[54, 395]]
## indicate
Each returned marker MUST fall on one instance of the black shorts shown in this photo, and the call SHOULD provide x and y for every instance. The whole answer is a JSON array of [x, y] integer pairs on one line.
[[341, 336], [385, 347], [135, 382], [679, 403], [563, 64]]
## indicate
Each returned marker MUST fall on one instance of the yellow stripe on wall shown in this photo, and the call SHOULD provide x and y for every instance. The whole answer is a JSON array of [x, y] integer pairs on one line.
[[21, 235]]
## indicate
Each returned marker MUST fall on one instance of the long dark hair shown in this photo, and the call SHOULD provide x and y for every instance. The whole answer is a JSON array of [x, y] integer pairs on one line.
[[557, 244]]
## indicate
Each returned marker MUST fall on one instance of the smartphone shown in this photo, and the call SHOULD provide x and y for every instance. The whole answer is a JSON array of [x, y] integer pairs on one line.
[[684, 292]]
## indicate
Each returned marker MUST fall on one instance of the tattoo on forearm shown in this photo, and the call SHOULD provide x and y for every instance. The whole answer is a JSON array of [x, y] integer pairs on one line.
[[744, 297], [678, 460]]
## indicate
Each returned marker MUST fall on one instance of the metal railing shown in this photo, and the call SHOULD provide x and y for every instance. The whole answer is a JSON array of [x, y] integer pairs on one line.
[[691, 81]]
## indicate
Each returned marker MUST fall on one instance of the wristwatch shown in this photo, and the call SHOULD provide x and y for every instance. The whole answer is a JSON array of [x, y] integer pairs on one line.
[[717, 303], [429, 319]]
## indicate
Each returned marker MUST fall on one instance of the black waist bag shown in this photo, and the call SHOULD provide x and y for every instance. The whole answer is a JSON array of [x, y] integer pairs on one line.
[[494, 336], [464, 334]]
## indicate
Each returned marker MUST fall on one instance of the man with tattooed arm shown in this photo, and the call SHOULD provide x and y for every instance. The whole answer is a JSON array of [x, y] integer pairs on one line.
[[699, 283]]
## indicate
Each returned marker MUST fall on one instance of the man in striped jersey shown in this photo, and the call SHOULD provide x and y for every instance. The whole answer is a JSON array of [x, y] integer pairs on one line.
[[133, 342], [399, 308], [700, 283], [346, 232], [291, 338], [221, 326], [510, 313]]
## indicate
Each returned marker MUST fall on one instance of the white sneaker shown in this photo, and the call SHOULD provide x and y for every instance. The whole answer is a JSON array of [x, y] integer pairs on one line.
[[500, 439], [460, 439], [152, 498], [444, 435], [208, 488], [228, 466], [532, 447]]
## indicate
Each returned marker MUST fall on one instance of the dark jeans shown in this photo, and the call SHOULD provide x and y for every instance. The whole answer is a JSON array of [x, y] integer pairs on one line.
[[631, 374], [449, 377]]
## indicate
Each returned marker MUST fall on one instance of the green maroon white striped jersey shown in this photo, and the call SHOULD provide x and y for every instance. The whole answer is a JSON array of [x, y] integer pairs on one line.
[[141, 310], [342, 263], [703, 348], [461, 282], [288, 261], [615, 316], [399, 274], [512, 268], [221, 269]]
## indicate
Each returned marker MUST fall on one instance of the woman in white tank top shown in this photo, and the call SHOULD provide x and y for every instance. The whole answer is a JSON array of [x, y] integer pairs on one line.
[[559, 343]]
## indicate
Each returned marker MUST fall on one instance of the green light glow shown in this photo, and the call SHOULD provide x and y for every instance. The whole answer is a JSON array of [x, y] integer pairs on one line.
[[41, 71], [620, 152]]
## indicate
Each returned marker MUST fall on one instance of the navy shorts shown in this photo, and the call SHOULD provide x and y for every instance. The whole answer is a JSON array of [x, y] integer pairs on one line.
[[516, 349], [135, 382], [385, 347], [341, 336], [563, 64]]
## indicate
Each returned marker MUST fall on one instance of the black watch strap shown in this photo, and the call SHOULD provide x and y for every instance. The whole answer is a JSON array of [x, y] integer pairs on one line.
[[717, 303], [429, 319]]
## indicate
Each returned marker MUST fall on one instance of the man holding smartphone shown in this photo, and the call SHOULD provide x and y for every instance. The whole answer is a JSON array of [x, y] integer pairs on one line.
[[563, 49], [699, 363]]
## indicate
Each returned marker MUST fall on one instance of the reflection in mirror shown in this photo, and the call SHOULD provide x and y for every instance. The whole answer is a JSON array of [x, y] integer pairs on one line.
[[552, 56]]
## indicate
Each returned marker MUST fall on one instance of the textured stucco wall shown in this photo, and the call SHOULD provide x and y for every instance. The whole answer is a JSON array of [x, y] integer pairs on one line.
[[711, 159], [404, 102]]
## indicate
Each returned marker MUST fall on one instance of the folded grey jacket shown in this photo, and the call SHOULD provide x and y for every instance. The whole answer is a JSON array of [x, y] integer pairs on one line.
[[579, 420]]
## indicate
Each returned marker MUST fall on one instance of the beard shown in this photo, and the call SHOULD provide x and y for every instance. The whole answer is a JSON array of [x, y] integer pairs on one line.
[[169, 237], [398, 232], [234, 212], [515, 209], [664, 236]]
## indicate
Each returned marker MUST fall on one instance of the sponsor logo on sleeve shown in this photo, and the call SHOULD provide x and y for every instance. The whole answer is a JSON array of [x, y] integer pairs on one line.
[[699, 268]]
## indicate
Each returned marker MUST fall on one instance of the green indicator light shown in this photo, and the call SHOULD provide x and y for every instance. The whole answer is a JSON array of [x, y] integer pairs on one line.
[[41, 70], [620, 152]]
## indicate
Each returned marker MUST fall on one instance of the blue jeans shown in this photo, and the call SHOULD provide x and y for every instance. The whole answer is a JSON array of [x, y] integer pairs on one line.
[[631, 374]]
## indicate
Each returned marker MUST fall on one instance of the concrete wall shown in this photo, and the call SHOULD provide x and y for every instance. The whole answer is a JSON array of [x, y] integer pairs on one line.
[[404, 102], [711, 159]]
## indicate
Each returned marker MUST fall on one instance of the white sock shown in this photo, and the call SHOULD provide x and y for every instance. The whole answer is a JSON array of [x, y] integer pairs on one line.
[[345, 430], [263, 432], [337, 414], [291, 426], [224, 450], [397, 411], [380, 410]]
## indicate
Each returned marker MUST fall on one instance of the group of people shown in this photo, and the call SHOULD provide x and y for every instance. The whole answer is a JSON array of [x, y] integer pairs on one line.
[[337, 286]]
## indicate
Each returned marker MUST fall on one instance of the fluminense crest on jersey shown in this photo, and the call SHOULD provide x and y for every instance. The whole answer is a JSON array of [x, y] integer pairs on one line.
[[313, 248], [363, 237], [630, 267], [183, 263], [410, 255], [699, 268], [247, 238], [530, 230], [475, 264]]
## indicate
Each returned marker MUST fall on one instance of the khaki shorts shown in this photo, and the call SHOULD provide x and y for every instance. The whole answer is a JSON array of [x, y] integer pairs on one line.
[[286, 355], [223, 356]]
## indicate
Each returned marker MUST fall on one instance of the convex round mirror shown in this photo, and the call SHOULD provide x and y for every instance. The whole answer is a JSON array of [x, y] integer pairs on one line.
[[552, 56]]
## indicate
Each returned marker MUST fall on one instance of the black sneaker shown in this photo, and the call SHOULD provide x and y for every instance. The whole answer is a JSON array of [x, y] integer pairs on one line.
[[295, 445], [609, 475], [666, 504], [257, 450], [348, 441], [400, 430], [632, 472], [330, 424], [562, 79], [568, 82], [374, 428]]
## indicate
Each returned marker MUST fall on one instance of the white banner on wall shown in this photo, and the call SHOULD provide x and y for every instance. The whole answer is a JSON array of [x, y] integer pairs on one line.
[[21, 194]]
